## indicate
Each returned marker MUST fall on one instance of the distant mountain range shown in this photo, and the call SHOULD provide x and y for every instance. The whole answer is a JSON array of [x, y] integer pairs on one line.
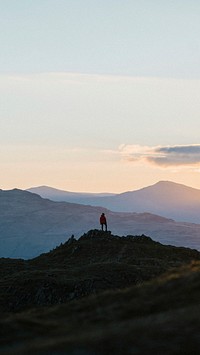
[[31, 225], [165, 198]]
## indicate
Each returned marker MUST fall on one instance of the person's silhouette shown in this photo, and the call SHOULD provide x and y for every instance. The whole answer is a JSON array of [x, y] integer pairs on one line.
[[103, 222]]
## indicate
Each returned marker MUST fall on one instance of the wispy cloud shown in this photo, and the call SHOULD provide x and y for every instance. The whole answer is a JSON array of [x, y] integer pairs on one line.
[[164, 156]]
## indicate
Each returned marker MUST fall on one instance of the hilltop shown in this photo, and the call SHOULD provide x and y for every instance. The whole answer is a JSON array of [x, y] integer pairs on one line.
[[102, 294], [97, 261]]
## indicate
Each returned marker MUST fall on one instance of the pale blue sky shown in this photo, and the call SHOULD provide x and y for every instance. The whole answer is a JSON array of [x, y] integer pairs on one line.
[[138, 38], [91, 88]]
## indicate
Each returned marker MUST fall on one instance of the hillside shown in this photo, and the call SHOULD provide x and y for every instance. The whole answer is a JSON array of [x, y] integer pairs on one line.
[[165, 198], [97, 261], [97, 300], [31, 225]]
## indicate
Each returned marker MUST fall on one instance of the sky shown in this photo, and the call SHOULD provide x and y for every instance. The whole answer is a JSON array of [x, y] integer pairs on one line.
[[99, 95]]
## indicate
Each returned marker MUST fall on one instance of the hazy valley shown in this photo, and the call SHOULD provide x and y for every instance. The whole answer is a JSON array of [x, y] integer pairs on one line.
[[31, 225], [165, 198]]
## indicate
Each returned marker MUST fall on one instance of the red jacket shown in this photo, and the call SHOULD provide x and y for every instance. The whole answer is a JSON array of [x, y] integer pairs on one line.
[[102, 219]]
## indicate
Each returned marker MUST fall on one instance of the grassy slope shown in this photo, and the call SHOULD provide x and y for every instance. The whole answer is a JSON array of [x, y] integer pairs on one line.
[[96, 262], [160, 316]]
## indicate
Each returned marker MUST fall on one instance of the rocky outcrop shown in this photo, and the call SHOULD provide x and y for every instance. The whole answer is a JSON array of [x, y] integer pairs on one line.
[[97, 262]]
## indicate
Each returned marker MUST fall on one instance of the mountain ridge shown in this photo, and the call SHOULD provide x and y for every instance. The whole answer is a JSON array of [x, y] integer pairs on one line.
[[166, 198], [31, 225]]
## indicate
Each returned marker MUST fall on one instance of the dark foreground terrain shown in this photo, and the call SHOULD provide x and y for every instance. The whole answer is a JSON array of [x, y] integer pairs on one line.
[[99, 295]]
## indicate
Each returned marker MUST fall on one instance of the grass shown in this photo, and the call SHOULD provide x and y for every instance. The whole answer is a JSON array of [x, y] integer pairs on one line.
[[116, 314]]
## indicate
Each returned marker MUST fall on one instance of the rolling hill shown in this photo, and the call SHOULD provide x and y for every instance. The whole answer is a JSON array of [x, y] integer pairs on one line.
[[96, 262], [102, 294]]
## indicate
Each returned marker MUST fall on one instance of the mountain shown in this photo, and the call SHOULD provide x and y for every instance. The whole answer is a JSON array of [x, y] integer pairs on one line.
[[102, 294], [31, 225], [67, 196], [165, 198]]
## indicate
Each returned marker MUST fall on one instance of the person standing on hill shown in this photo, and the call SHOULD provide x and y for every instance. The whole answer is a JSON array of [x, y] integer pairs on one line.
[[103, 222]]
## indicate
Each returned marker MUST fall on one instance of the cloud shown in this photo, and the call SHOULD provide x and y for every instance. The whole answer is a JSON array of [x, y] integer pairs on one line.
[[164, 156]]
